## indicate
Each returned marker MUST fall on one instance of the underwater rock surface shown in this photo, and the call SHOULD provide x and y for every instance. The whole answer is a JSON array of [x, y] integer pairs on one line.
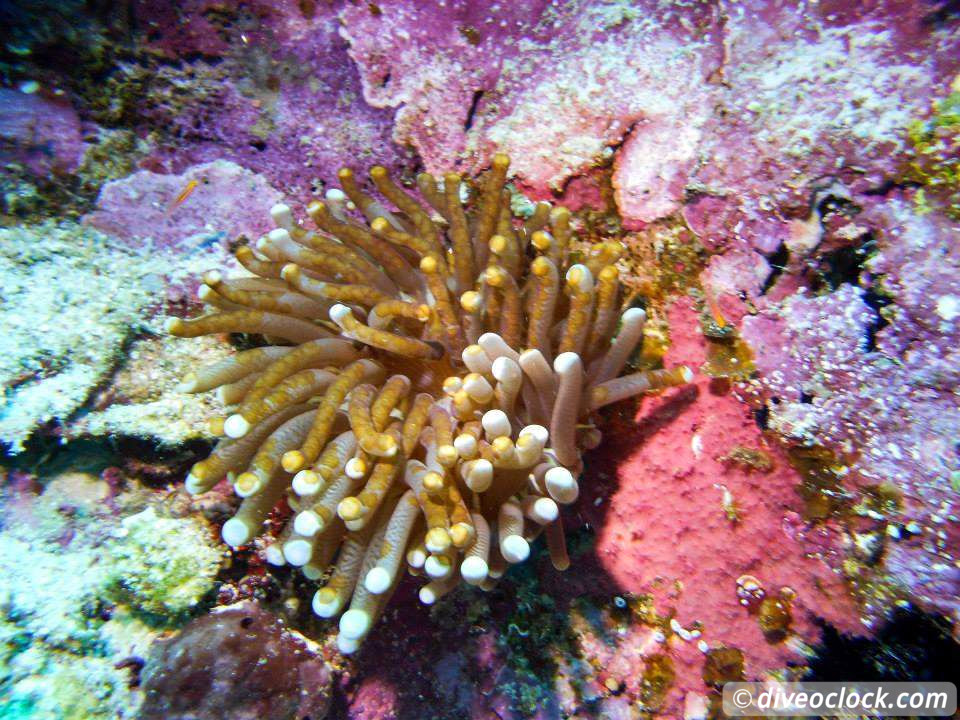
[[784, 176], [237, 662]]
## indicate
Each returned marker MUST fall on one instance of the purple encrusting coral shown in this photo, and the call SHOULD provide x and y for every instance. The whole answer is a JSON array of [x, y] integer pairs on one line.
[[222, 201], [267, 85], [555, 87], [811, 97], [43, 134], [884, 398]]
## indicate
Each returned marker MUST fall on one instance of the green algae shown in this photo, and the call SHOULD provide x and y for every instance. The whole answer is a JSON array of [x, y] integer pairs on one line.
[[932, 160], [534, 634], [163, 566]]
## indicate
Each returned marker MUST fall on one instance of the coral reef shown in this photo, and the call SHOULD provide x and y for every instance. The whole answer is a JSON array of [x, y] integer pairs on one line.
[[72, 639], [458, 479], [784, 179], [72, 298]]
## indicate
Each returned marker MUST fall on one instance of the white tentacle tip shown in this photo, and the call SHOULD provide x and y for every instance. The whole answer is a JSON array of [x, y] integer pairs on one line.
[[282, 216], [504, 368], [347, 646], [235, 532], [279, 235], [339, 312], [537, 432], [307, 523], [495, 424], [566, 362], [474, 570], [354, 623], [437, 567], [515, 549], [378, 580], [236, 426], [298, 552], [561, 485], [428, 595], [193, 484], [545, 510], [580, 276], [324, 609], [273, 554], [306, 483]]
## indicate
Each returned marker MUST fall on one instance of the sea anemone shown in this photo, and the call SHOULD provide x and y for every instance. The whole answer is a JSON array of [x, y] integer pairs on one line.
[[424, 388]]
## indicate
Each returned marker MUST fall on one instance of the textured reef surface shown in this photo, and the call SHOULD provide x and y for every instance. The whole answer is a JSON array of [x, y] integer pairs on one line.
[[784, 179]]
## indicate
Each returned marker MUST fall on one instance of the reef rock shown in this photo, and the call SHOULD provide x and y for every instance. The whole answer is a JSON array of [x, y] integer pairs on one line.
[[39, 132], [876, 383], [208, 205], [238, 662]]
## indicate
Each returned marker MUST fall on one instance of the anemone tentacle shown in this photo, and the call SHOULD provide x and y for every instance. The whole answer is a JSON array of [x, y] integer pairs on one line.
[[425, 390]]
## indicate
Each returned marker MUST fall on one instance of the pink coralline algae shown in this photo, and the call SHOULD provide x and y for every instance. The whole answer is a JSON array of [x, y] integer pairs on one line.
[[880, 388], [222, 201], [731, 112], [810, 97], [266, 85], [557, 88], [41, 133], [684, 523]]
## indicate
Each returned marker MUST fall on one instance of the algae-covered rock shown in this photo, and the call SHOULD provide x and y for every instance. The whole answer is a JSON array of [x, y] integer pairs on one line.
[[60, 638], [58, 686], [164, 565], [91, 577], [70, 296], [142, 399], [238, 662], [70, 299]]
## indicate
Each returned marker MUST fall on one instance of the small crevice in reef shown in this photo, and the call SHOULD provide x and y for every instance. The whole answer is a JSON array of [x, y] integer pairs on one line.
[[474, 104], [846, 265], [911, 644], [778, 263]]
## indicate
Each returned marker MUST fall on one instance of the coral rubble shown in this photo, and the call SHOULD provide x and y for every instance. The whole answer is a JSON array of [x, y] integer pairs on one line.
[[505, 333]]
